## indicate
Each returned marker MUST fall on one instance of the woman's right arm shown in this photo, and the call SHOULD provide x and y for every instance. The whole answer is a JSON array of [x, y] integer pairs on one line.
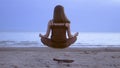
[[69, 31]]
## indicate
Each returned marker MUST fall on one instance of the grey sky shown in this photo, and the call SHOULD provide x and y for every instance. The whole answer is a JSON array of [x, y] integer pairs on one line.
[[85, 15]]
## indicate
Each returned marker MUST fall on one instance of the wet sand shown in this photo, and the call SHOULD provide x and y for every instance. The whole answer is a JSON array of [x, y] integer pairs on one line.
[[42, 57]]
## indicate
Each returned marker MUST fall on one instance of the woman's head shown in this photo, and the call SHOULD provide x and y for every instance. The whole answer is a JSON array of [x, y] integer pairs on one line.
[[59, 15]]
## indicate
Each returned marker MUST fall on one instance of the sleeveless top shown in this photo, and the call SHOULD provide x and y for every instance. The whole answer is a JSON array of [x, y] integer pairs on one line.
[[58, 33]]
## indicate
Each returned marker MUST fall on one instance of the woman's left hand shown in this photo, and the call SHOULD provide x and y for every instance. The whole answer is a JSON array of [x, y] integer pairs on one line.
[[40, 35]]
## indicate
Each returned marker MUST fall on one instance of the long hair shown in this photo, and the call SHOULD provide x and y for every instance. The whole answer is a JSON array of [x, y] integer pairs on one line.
[[59, 15]]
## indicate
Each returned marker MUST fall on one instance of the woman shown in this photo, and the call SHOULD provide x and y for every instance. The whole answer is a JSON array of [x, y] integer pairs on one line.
[[58, 27]]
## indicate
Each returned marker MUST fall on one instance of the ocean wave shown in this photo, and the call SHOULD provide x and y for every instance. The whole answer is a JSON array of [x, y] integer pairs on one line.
[[9, 43], [16, 43]]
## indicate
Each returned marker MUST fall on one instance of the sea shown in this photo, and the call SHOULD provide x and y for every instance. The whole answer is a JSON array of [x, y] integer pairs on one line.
[[84, 39]]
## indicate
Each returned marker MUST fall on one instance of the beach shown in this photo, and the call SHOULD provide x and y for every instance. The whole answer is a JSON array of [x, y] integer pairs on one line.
[[42, 57]]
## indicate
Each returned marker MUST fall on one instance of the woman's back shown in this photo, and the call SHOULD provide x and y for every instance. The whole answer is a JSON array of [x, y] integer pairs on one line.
[[58, 32]]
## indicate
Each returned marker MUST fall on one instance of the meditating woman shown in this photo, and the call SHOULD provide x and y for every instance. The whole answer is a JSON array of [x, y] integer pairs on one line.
[[59, 27]]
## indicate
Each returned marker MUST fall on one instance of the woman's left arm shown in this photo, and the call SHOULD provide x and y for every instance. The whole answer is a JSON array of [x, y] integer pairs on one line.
[[48, 30]]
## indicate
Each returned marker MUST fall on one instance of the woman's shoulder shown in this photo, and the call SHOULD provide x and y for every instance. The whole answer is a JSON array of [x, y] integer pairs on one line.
[[50, 22], [67, 24]]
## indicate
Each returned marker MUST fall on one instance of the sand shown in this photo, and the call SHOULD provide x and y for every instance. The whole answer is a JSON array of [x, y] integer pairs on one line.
[[42, 57]]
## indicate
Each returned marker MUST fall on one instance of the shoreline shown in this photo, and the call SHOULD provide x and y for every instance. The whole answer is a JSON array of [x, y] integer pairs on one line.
[[70, 49]]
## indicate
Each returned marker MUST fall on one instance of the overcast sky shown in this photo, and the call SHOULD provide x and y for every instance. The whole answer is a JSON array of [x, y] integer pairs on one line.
[[85, 15]]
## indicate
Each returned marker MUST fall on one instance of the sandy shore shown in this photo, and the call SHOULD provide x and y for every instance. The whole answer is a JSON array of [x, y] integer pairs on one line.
[[42, 57]]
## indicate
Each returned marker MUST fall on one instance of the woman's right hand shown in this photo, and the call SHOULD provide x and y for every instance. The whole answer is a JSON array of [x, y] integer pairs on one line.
[[76, 34]]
